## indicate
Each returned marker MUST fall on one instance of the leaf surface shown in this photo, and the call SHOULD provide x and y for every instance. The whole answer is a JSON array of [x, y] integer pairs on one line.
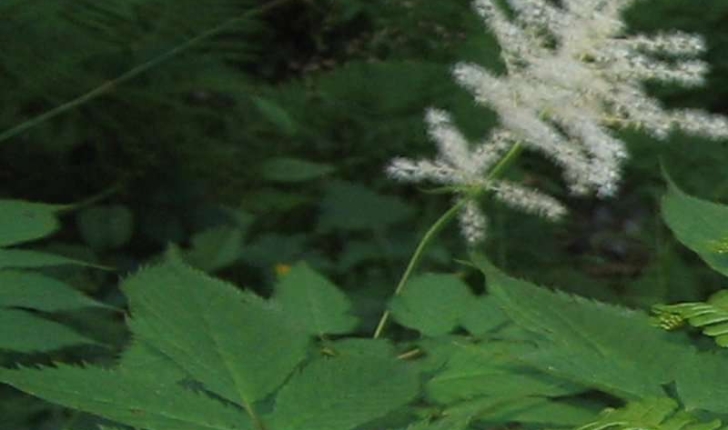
[[433, 304], [35, 291], [23, 332], [342, 393], [22, 221], [314, 302], [238, 346], [129, 398]]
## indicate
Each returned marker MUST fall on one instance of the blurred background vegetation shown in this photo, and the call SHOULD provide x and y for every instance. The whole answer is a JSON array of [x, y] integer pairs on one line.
[[263, 144]]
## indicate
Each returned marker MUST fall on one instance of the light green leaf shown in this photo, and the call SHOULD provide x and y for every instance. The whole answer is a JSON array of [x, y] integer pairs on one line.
[[316, 304], [700, 225], [22, 221], [237, 345], [140, 358], [137, 400], [432, 304], [589, 342], [702, 382], [341, 393], [285, 169], [482, 316], [23, 332], [34, 291], [106, 227]]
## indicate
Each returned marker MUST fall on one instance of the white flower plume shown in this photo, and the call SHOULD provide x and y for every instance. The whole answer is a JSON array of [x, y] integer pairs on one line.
[[572, 71], [465, 170]]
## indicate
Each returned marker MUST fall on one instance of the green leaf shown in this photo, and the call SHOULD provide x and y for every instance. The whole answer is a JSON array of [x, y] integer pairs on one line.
[[285, 169], [316, 304], [23, 332], [215, 248], [483, 315], [589, 342], [353, 207], [34, 291], [651, 413], [25, 259], [700, 225], [140, 358], [702, 382], [490, 369], [432, 304], [276, 115], [237, 345], [344, 392], [136, 400], [106, 227], [22, 221]]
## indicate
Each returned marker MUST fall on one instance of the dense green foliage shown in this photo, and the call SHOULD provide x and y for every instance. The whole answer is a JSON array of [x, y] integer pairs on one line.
[[217, 241]]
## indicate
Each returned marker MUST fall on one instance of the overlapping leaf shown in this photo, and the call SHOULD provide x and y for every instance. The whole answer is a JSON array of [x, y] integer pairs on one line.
[[238, 346]]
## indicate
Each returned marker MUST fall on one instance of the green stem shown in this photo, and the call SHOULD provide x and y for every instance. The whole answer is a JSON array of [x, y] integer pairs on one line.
[[440, 224], [132, 73], [417, 256]]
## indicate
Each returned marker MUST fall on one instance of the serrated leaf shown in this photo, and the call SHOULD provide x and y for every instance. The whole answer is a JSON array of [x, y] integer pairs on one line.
[[700, 225], [491, 369], [132, 399], [22, 221], [587, 341], [35, 291], [140, 358], [24, 332], [353, 207], [316, 304], [342, 393], [285, 169], [238, 346], [432, 304], [106, 227]]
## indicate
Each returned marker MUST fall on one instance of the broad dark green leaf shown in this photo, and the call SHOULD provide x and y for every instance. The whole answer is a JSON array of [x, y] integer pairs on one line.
[[702, 382], [432, 304], [316, 304], [344, 392], [239, 346], [137, 400], [215, 248], [22, 221]]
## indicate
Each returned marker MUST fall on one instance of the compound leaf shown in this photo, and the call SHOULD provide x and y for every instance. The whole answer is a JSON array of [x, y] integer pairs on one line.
[[237, 345]]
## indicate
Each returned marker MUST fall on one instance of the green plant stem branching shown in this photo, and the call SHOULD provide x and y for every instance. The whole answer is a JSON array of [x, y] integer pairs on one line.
[[132, 73], [437, 226]]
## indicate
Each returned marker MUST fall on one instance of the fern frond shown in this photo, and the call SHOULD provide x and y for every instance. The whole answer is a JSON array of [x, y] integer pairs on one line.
[[710, 316], [650, 414]]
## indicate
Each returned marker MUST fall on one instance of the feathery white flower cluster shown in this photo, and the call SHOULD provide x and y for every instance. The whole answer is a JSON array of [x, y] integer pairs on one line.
[[571, 72], [465, 170]]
